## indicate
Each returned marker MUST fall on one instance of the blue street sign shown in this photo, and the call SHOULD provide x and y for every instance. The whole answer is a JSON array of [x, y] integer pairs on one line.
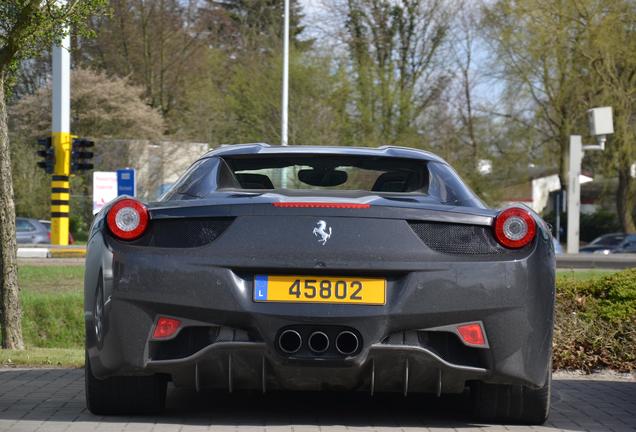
[[126, 184]]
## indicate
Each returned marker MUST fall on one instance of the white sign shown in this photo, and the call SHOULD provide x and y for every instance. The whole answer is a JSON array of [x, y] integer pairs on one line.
[[104, 189]]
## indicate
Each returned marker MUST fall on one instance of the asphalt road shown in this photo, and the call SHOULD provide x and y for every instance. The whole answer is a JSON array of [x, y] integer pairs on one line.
[[53, 400]]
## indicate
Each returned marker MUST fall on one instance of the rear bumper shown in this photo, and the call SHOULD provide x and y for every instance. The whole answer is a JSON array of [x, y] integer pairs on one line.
[[513, 299], [236, 366]]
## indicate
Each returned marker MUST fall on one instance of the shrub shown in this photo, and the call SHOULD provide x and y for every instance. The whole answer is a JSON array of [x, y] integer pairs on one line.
[[596, 323]]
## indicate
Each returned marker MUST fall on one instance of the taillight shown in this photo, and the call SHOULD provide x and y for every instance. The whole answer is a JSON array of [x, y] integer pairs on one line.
[[127, 219], [515, 228], [166, 328]]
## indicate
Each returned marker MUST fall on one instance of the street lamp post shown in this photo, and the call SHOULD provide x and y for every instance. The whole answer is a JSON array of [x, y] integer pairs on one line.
[[284, 119], [285, 90]]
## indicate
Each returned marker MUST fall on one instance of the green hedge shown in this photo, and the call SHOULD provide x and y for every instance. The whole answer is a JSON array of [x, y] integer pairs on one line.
[[596, 323]]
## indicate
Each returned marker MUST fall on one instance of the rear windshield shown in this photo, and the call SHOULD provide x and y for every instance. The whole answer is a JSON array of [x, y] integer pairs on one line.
[[336, 173]]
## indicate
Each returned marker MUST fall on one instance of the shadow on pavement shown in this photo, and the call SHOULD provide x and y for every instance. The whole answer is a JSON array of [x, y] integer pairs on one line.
[[324, 409], [57, 395]]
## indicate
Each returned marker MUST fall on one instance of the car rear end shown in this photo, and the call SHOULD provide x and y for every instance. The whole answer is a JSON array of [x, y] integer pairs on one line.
[[281, 290]]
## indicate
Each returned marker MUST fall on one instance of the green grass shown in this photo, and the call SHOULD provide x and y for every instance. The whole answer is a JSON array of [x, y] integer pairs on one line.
[[582, 275], [51, 279], [44, 357], [52, 311], [52, 317], [53, 320], [52, 306]]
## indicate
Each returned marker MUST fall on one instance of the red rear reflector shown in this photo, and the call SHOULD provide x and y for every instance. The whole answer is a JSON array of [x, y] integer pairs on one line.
[[472, 334], [321, 205], [166, 327]]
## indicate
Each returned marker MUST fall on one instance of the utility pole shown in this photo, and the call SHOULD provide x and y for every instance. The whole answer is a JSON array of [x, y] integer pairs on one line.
[[285, 92], [574, 193], [61, 139], [601, 124]]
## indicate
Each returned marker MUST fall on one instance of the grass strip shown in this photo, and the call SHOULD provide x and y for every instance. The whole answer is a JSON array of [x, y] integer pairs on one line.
[[53, 320], [50, 279], [43, 357]]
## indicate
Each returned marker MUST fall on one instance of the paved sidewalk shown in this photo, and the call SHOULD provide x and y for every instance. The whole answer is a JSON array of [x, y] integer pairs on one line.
[[53, 400]]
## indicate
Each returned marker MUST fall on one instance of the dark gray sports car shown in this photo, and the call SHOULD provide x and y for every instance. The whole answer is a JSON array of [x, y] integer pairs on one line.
[[320, 268]]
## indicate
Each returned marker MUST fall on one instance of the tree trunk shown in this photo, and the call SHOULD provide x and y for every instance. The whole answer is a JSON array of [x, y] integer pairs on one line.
[[625, 198], [10, 310]]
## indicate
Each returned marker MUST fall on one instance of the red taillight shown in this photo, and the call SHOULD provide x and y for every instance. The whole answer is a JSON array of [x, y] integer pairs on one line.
[[515, 227], [127, 219], [310, 204], [472, 334], [166, 327]]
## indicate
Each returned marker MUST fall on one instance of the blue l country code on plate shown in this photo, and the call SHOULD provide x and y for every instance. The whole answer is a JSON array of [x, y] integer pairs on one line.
[[260, 287]]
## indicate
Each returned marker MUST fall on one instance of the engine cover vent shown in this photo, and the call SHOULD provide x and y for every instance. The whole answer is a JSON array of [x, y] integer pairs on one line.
[[459, 239], [182, 233]]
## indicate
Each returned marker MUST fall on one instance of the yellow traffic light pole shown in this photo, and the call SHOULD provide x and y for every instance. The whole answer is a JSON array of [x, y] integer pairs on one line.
[[61, 188], [62, 142]]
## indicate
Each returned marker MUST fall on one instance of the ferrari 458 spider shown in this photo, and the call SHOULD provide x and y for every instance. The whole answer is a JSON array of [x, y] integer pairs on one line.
[[319, 268]]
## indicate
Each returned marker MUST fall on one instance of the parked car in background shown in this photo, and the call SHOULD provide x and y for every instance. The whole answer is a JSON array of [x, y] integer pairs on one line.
[[628, 245], [611, 243], [31, 231], [34, 231]]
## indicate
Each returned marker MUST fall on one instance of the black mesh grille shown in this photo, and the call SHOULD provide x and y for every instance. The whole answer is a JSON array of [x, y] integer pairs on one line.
[[182, 233], [458, 239]]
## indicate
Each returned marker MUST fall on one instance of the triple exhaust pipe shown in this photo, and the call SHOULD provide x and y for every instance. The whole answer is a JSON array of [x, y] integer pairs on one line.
[[346, 342]]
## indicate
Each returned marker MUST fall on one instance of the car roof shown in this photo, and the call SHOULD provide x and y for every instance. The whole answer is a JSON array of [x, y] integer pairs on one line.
[[262, 148], [26, 219], [613, 234]]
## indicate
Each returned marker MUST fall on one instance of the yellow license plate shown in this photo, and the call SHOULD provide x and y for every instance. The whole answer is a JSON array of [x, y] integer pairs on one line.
[[320, 289]]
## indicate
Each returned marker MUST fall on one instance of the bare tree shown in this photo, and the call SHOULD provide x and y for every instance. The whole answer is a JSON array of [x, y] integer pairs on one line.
[[395, 50], [154, 43], [536, 43], [610, 48]]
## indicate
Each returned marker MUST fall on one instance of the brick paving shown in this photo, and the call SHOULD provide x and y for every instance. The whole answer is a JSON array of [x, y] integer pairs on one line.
[[53, 400]]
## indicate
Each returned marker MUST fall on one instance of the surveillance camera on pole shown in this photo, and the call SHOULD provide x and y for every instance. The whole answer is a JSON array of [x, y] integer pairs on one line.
[[601, 124]]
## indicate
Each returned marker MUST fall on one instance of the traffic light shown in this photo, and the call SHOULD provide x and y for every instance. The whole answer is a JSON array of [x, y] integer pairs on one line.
[[80, 158], [47, 153]]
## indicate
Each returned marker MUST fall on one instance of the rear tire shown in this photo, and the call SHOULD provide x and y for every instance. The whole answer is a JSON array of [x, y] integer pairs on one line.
[[125, 394], [504, 403]]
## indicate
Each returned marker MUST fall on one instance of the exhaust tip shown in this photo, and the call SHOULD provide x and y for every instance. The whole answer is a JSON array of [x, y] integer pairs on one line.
[[318, 342], [347, 342], [290, 341]]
